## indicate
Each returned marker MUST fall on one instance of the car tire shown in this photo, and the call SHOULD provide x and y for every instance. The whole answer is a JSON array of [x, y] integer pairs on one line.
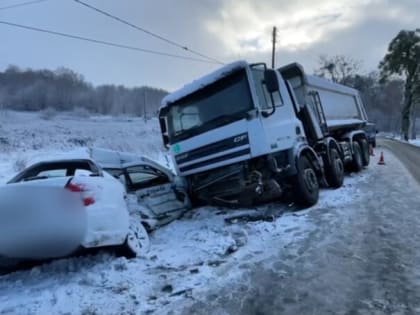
[[137, 242], [306, 185], [334, 169], [357, 162], [364, 145]]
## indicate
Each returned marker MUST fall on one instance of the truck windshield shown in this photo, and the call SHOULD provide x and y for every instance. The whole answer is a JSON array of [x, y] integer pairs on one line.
[[220, 103]]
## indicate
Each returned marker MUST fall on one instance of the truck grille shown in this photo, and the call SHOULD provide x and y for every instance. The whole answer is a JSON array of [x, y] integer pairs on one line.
[[212, 149]]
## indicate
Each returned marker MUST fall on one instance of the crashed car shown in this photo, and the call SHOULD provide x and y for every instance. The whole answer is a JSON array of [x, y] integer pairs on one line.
[[154, 191], [53, 209]]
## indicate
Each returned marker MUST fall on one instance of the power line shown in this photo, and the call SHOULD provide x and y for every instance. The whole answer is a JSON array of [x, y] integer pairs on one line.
[[97, 41], [169, 41], [21, 4]]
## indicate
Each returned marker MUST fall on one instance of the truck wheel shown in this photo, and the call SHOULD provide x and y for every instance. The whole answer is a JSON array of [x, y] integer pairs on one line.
[[306, 183], [357, 163], [334, 169], [365, 152]]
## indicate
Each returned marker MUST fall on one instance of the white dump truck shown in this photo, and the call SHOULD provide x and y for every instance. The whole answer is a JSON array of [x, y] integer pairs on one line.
[[246, 134]]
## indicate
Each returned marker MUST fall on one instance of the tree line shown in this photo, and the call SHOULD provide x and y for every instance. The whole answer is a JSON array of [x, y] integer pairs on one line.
[[382, 100], [66, 90], [392, 93]]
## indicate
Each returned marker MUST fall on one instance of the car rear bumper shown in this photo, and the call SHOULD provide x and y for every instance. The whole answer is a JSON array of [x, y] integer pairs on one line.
[[40, 222]]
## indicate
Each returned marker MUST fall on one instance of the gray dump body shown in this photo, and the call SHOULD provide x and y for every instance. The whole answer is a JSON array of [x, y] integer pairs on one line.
[[341, 104]]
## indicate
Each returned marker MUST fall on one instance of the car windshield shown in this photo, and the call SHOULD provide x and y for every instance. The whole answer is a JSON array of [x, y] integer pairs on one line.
[[220, 103]]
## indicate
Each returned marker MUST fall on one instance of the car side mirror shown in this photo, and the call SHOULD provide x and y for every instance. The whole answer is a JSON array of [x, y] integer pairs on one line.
[[271, 81]]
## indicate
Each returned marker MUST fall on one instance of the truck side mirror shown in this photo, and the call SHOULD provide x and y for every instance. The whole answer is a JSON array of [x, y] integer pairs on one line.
[[271, 81], [163, 130]]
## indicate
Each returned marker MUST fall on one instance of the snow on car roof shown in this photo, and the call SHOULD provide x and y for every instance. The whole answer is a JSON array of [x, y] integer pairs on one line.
[[203, 81]]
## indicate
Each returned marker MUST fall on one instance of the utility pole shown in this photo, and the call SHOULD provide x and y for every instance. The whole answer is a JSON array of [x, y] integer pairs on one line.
[[144, 105], [273, 54]]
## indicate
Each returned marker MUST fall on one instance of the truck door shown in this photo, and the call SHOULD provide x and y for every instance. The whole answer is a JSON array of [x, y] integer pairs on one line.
[[282, 126]]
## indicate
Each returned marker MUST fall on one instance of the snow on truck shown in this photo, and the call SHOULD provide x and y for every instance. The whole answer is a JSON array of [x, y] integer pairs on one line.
[[246, 134]]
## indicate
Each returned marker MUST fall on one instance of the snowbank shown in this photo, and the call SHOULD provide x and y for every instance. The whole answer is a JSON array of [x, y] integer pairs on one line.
[[415, 142]]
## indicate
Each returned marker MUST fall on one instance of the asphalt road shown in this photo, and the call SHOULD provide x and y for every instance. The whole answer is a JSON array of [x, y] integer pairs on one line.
[[363, 258], [408, 154]]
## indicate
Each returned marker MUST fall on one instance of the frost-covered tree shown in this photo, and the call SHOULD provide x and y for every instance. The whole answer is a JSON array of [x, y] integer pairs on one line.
[[337, 68], [66, 90], [403, 59]]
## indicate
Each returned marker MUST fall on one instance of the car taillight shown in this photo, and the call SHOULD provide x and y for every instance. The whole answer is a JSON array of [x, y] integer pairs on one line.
[[73, 187], [87, 201]]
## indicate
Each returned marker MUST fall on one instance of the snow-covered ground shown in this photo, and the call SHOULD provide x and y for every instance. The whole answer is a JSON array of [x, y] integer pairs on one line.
[[358, 256], [204, 250], [394, 136], [415, 142]]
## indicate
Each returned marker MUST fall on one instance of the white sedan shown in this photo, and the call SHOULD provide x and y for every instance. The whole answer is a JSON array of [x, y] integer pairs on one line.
[[53, 209]]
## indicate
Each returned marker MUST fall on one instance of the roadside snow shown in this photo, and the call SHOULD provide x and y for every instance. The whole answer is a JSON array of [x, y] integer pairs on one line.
[[415, 142], [187, 258]]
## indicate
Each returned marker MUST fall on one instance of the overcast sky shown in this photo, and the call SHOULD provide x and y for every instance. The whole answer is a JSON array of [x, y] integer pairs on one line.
[[223, 29]]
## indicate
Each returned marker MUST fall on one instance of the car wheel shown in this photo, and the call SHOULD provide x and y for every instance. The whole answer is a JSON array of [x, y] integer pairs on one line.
[[357, 163], [334, 169], [306, 184], [137, 242]]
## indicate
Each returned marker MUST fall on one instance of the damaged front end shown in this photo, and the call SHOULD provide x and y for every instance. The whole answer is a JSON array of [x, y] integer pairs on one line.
[[241, 184]]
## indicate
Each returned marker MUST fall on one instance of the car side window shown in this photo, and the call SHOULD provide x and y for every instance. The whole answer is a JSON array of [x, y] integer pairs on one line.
[[79, 172], [144, 176], [53, 173]]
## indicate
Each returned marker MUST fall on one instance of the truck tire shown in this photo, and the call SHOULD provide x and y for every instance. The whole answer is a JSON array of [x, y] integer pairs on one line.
[[364, 145], [334, 169], [357, 162], [306, 186]]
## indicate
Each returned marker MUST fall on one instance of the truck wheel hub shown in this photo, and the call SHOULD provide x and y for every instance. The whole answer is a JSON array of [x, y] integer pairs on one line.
[[339, 165], [310, 179]]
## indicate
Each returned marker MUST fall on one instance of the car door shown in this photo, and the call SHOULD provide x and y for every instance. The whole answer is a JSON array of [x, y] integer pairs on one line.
[[156, 191]]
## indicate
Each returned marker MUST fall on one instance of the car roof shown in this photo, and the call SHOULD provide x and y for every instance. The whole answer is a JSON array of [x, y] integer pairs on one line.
[[56, 164], [111, 159]]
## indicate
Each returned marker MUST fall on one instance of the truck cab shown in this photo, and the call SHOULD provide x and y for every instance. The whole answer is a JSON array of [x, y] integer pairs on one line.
[[239, 137]]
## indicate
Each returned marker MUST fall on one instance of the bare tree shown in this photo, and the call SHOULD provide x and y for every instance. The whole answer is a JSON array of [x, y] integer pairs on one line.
[[338, 68]]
